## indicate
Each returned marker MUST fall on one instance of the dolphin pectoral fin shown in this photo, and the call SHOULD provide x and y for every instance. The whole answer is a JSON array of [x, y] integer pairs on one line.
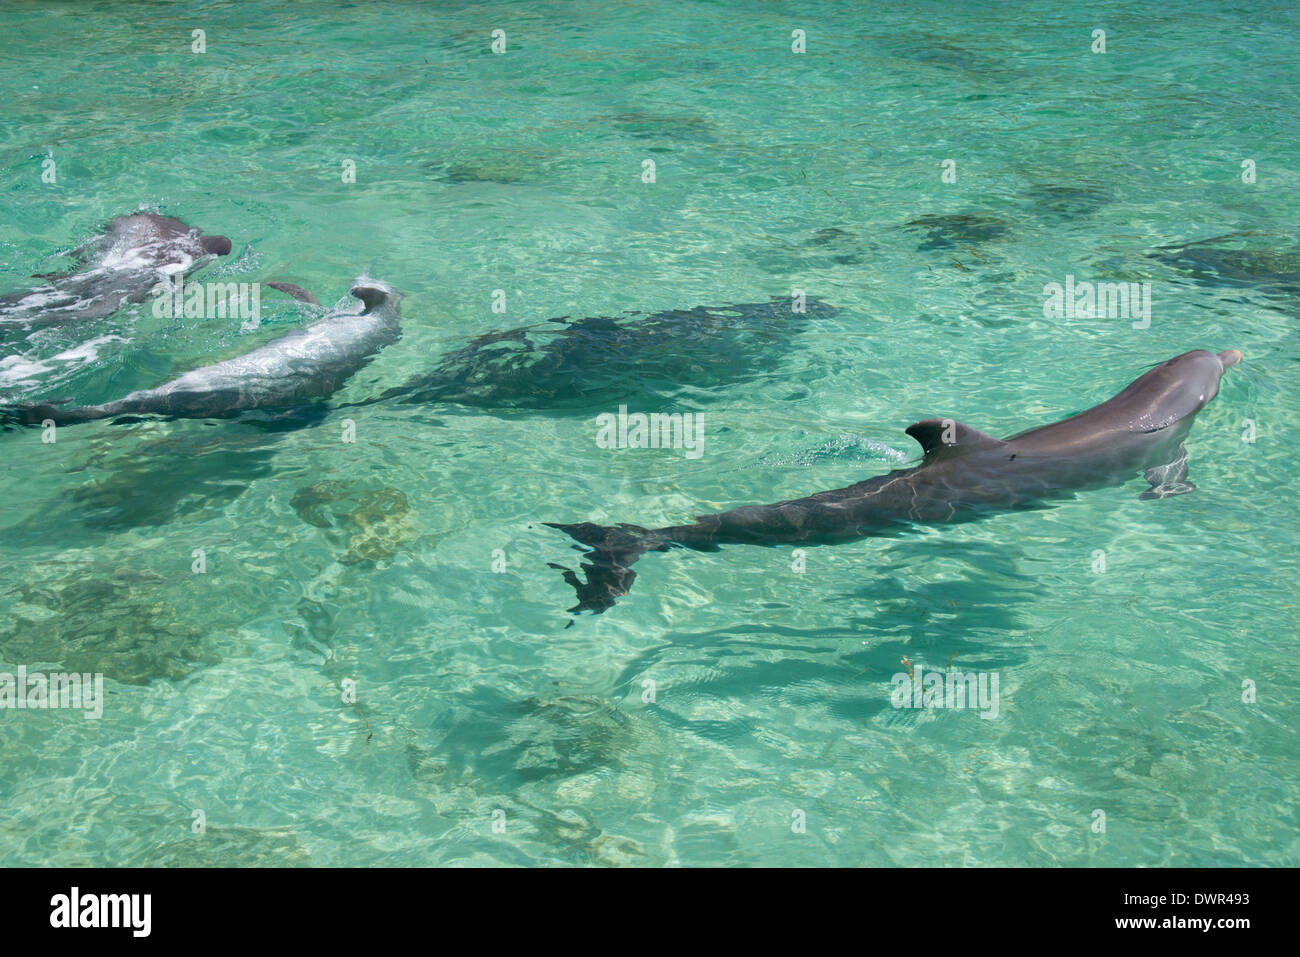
[[1164, 491], [302, 295], [1170, 479], [937, 435]]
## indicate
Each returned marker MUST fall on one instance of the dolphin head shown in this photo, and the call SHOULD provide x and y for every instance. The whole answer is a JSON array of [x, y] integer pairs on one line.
[[1180, 387]]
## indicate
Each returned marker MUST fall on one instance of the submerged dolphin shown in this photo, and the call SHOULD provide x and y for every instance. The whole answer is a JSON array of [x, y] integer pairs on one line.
[[572, 366], [964, 475], [124, 264], [1273, 268], [297, 369]]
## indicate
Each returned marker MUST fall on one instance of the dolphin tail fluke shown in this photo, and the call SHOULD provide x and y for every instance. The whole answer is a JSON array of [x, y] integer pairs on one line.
[[608, 566]]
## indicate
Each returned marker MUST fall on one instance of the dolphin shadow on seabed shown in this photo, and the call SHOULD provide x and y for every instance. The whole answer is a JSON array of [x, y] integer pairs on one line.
[[959, 231], [189, 473]]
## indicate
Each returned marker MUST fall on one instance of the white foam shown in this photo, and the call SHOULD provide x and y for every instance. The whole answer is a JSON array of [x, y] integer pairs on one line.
[[86, 351], [22, 371], [41, 298]]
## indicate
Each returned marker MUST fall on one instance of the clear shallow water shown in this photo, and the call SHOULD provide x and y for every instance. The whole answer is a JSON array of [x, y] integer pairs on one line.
[[373, 561]]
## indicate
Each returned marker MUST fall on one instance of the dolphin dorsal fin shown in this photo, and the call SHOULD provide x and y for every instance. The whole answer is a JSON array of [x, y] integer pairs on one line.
[[938, 435], [373, 293]]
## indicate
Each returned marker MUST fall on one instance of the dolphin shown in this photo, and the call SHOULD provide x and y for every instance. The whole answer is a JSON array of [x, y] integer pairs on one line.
[[1273, 268], [565, 366], [123, 264], [963, 475], [297, 369]]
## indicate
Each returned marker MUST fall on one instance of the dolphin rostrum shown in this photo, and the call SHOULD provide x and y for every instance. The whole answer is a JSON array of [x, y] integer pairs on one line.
[[123, 264], [964, 474], [297, 369]]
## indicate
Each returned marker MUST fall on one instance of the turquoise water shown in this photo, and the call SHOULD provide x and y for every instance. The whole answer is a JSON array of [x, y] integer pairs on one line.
[[372, 562]]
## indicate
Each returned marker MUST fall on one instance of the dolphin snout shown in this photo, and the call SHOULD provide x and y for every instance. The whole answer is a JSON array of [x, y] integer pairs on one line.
[[1230, 357]]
